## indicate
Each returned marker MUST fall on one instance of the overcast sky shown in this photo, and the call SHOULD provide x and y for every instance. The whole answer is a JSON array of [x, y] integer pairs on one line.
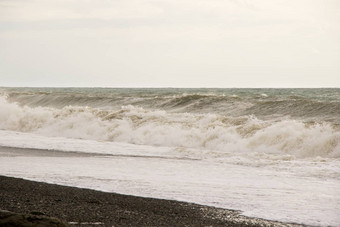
[[170, 43]]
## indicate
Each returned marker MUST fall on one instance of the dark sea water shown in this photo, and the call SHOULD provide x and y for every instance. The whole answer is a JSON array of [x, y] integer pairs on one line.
[[321, 104]]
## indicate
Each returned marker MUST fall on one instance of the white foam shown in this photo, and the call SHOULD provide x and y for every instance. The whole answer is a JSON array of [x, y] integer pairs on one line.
[[244, 141], [28, 140], [276, 194], [318, 167], [134, 125]]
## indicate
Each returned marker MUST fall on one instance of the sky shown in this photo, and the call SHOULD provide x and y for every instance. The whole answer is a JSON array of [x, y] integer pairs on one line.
[[170, 43]]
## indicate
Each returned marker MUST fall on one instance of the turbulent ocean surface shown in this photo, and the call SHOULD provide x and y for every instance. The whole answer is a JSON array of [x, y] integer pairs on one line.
[[271, 153]]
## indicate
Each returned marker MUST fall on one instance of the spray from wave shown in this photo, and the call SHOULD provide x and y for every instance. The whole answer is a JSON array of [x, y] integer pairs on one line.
[[211, 131]]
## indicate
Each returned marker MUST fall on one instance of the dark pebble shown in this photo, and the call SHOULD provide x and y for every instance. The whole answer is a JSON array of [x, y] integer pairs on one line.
[[83, 206]]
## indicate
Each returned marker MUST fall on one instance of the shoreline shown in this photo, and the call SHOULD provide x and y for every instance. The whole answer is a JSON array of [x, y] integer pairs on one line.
[[86, 207]]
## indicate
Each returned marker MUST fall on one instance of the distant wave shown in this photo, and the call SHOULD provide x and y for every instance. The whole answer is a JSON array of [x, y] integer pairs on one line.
[[309, 106], [210, 131]]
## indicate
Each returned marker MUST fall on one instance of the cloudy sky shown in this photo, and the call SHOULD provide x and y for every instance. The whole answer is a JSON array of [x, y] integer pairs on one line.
[[170, 43]]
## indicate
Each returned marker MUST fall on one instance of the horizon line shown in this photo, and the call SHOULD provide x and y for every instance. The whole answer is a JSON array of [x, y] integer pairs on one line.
[[169, 87]]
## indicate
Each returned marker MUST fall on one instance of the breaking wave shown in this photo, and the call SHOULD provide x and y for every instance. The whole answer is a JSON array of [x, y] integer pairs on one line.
[[209, 131], [299, 104]]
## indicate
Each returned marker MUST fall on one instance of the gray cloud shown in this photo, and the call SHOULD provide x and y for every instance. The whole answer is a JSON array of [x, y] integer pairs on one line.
[[170, 43]]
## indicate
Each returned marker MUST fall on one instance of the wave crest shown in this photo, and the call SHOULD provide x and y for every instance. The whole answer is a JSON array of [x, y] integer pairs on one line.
[[214, 132]]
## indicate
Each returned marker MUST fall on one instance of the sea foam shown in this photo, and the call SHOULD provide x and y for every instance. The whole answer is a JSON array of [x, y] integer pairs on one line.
[[136, 125]]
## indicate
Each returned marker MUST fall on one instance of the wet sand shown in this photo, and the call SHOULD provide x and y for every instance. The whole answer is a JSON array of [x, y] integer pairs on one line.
[[86, 207]]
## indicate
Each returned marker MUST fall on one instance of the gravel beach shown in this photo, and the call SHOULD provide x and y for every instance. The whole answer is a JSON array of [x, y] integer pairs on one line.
[[84, 207]]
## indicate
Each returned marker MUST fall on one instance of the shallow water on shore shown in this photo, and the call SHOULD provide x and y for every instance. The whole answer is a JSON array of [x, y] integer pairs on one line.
[[274, 193]]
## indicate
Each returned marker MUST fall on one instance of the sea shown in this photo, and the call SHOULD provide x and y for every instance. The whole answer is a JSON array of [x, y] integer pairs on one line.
[[269, 153]]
